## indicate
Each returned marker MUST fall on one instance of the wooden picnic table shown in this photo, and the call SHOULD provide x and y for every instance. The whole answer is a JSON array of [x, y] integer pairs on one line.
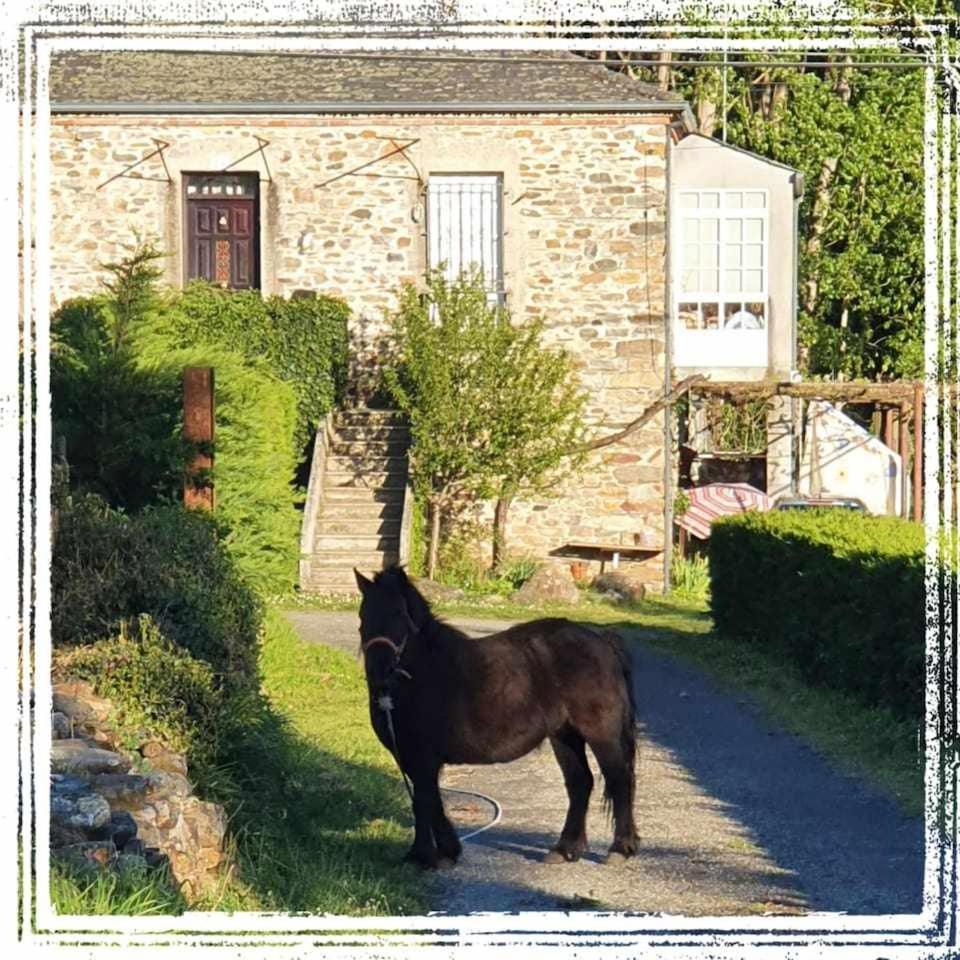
[[611, 551]]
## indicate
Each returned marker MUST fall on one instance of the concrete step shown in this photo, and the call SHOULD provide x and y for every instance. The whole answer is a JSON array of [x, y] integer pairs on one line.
[[375, 448], [332, 543], [348, 559], [353, 433], [360, 416], [337, 524], [335, 495], [366, 463], [331, 581], [373, 480]]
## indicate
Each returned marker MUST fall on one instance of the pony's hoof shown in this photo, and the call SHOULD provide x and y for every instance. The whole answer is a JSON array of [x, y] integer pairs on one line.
[[557, 855], [614, 857], [421, 861], [445, 863]]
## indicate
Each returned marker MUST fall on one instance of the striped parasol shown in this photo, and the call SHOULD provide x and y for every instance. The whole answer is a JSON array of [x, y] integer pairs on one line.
[[719, 500]]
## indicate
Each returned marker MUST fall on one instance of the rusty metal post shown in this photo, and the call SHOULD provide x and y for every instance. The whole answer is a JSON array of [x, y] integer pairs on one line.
[[198, 428], [918, 452]]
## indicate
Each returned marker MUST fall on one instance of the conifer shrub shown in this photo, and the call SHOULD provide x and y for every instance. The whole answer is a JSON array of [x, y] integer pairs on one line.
[[838, 593]]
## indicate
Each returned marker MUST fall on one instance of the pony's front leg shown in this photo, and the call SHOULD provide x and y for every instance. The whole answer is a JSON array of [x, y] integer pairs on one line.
[[426, 796]]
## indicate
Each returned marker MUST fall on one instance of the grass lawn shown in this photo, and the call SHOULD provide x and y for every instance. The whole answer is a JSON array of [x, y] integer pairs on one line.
[[865, 741]]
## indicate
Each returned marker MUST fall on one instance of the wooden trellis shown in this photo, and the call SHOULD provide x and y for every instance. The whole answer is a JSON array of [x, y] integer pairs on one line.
[[897, 402]]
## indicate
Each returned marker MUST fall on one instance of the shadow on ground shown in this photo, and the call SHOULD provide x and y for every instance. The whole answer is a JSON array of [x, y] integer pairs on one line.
[[849, 847], [315, 832]]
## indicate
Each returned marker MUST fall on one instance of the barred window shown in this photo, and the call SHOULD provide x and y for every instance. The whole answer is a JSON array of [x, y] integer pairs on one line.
[[465, 228]]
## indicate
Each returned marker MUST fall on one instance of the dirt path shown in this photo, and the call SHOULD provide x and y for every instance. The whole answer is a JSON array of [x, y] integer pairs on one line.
[[735, 816]]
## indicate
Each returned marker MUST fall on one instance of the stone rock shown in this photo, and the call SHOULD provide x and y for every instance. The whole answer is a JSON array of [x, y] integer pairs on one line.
[[135, 847], [78, 757], [77, 701], [123, 829], [161, 783], [620, 587], [100, 852], [62, 727], [551, 583], [434, 592], [89, 812], [163, 759], [65, 785], [122, 790]]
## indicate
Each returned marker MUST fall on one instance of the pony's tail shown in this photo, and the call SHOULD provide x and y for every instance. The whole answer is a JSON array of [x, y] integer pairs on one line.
[[628, 725]]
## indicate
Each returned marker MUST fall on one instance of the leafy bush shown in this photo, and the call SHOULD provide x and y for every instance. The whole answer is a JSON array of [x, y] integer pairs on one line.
[[492, 412], [690, 576], [838, 593], [167, 562], [160, 691], [303, 341]]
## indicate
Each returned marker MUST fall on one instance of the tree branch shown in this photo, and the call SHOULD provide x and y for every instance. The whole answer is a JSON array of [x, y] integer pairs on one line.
[[667, 400]]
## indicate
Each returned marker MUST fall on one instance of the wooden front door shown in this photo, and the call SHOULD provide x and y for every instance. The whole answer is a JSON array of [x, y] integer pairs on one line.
[[222, 231]]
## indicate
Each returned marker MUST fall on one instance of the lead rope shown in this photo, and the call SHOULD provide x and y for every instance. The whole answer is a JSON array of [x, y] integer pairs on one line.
[[386, 705]]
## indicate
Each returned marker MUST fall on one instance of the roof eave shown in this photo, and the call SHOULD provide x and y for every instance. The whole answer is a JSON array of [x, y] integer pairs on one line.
[[268, 107]]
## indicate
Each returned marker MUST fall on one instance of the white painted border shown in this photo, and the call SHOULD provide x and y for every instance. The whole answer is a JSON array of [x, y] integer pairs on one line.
[[686, 935]]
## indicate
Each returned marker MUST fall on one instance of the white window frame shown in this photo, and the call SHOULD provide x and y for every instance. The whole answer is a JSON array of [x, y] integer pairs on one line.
[[723, 346], [467, 233]]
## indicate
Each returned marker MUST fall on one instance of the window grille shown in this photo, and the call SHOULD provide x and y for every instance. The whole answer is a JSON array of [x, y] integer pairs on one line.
[[465, 228], [723, 260]]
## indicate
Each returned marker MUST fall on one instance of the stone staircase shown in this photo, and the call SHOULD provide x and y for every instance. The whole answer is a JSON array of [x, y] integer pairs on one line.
[[354, 513]]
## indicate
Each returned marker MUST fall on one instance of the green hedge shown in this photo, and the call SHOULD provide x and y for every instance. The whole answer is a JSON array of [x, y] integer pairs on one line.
[[167, 562], [121, 424], [158, 689], [304, 341], [255, 459], [121, 414], [838, 593]]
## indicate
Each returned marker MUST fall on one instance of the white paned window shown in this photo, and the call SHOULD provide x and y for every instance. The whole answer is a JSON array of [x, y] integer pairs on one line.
[[465, 228], [723, 260]]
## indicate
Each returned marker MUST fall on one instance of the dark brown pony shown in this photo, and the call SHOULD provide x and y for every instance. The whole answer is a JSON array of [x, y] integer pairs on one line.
[[438, 696]]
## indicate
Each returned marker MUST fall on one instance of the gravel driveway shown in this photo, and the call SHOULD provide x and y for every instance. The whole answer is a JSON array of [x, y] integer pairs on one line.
[[734, 815]]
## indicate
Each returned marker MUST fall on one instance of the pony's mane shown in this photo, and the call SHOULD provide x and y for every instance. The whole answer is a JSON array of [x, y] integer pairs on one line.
[[431, 626]]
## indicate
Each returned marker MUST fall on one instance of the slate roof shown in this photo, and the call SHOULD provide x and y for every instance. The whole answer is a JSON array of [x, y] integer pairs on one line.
[[365, 79]]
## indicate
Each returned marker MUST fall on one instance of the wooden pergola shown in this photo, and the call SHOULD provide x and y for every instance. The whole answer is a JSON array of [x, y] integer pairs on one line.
[[897, 400]]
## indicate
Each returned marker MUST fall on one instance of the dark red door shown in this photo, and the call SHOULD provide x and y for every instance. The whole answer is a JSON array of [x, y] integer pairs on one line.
[[222, 235]]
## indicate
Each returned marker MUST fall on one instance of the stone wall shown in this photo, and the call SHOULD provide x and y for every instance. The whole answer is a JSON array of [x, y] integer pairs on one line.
[[110, 802], [584, 246]]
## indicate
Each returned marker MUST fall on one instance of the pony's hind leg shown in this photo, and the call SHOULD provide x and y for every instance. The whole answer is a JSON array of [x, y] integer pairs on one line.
[[568, 748], [617, 762]]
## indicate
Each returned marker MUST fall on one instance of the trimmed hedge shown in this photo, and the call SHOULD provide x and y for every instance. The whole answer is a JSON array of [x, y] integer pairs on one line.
[[255, 459], [121, 414], [838, 593], [167, 562], [303, 341]]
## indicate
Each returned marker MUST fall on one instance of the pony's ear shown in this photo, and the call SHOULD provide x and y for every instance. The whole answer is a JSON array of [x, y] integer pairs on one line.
[[362, 582]]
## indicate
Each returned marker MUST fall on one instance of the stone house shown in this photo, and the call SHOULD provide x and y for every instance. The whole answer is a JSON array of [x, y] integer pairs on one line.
[[585, 196]]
